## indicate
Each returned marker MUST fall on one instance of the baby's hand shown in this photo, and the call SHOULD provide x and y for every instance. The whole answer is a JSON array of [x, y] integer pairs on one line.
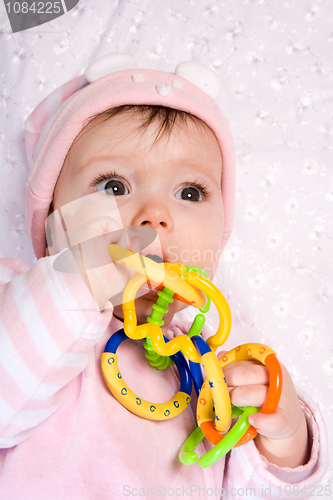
[[104, 278], [282, 436]]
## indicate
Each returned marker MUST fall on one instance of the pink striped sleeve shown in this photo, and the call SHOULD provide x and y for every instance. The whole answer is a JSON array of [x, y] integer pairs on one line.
[[48, 325], [249, 471]]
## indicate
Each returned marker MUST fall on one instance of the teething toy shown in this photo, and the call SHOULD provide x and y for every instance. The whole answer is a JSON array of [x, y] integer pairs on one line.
[[214, 410], [133, 403]]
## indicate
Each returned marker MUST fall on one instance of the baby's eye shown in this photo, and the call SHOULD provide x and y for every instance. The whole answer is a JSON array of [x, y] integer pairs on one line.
[[189, 193], [113, 187]]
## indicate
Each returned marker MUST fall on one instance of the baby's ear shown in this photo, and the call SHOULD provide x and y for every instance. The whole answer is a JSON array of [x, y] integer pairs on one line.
[[202, 76]]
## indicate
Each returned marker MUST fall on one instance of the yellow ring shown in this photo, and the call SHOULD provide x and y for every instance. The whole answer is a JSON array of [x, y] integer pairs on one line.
[[216, 386], [135, 331], [222, 306], [193, 281], [136, 405]]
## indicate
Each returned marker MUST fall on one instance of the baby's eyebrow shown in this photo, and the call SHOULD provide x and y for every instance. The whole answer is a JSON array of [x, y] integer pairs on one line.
[[100, 159]]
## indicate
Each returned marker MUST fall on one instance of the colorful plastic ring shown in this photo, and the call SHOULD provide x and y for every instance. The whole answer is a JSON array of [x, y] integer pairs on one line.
[[187, 455], [196, 373], [228, 441], [267, 357], [182, 342], [194, 288], [135, 404], [222, 306], [216, 383], [135, 331], [273, 396]]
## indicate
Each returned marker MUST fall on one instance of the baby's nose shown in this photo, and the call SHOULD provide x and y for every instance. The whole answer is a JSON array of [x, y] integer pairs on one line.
[[154, 214]]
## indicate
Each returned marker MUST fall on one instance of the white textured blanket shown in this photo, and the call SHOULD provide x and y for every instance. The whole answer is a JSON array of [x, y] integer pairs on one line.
[[275, 60]]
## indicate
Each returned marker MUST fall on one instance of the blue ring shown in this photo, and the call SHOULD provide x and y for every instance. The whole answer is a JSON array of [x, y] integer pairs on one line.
[[200, 344], [195, 369], [185, 377]]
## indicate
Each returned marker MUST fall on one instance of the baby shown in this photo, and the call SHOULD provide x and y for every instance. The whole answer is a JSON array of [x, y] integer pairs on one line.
[[143, 159]]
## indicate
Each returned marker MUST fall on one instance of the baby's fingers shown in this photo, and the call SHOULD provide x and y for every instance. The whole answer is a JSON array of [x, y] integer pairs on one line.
[[274, 426], [246, 373], [249, 395]]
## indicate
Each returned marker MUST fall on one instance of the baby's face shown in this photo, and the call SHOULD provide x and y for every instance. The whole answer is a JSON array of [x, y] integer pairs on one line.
[[172, 185]]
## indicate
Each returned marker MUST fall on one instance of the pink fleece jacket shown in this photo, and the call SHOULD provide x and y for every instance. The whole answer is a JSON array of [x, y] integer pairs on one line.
[[64, 436]]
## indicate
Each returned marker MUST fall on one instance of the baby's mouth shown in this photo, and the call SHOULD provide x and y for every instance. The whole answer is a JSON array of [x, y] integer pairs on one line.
[[152, 287], [155, 258]]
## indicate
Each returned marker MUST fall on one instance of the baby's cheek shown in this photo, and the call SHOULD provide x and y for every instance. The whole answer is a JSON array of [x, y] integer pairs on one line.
[[211, 253]]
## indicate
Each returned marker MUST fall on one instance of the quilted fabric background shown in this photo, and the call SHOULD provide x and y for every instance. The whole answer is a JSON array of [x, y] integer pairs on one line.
[[275, 61]]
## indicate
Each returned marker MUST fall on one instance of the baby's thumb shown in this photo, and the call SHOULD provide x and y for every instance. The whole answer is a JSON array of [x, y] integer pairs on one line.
[[96, 227], [270, 426], [90, 242]]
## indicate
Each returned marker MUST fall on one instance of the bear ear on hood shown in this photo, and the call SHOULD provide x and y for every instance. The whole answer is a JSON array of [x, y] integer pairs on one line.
[[202, 76], [195, 72]]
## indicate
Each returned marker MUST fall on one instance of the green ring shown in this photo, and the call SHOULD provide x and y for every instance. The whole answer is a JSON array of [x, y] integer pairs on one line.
[[229, 440], [187, 455]]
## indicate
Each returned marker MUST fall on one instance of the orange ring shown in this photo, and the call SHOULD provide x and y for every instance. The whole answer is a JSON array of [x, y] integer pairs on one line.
[[273, 395], [270, 405]]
